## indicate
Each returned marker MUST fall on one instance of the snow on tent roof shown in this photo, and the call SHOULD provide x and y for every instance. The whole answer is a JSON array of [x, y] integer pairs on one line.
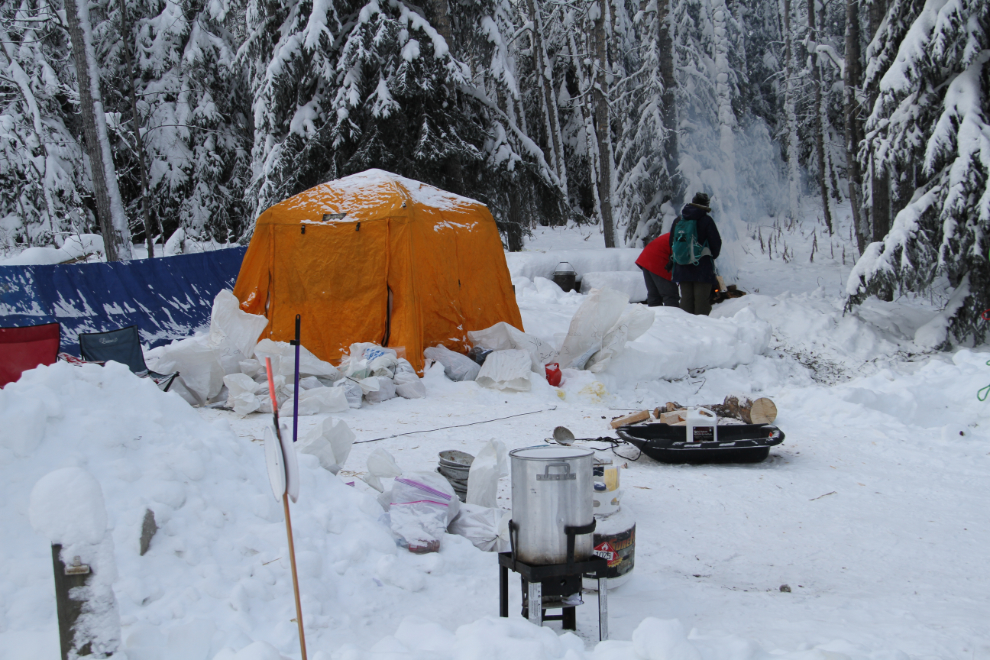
[[369, 195]]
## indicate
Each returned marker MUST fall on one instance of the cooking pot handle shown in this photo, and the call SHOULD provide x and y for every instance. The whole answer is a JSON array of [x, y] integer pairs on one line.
[[566, 475], [574, 530]]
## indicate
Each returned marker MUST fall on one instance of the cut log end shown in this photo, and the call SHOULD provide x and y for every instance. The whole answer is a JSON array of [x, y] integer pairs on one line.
[[763, 411]]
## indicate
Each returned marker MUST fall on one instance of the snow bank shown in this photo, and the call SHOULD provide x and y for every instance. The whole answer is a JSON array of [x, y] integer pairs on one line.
[[814, 325], [542, 264], [653, 639], [676, 341], [629, 282], [216, 574], [74, 247]]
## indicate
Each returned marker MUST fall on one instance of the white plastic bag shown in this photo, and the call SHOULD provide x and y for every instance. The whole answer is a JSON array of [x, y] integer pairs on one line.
[[198, 364], [317, 401], [503, 336], [385, 391], [352, 391], [593, 319], [330, 442], [636, 320], [309, 382], [283, 391], [409, 385], [383, 366], [369, 384], [381, 465], [483, 526], [357, 369], [402, 365], [241, 393], [228, 323], [491, 463], [423, 504], [457, 367], [252, 367], [506, 370], [283, 357], [367, 351]]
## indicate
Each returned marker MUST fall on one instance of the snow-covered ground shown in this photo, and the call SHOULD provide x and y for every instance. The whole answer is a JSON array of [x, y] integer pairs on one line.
[[873, 511]]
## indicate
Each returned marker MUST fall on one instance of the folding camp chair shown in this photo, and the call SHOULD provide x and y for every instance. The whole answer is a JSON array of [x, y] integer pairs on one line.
[[122, 346], [26, 348]]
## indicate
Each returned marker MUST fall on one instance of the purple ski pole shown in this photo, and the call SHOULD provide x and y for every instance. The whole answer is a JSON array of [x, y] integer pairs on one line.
[[295, 397]]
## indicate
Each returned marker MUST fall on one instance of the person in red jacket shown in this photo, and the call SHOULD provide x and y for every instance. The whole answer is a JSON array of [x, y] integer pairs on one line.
[[653, 262]]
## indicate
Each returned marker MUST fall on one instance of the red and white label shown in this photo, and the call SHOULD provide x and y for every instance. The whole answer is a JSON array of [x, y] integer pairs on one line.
[[605, 551]]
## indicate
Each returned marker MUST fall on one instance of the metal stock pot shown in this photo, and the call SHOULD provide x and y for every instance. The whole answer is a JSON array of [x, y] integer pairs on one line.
[[551, 489]]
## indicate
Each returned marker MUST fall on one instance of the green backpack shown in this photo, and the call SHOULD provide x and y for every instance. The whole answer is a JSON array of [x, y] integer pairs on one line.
[[684, 246]]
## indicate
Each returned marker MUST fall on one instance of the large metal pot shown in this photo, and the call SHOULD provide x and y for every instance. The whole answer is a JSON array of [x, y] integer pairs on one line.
[[551, 489]]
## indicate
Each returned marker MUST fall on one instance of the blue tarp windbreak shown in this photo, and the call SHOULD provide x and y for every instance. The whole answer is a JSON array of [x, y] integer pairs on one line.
[[167, 298]]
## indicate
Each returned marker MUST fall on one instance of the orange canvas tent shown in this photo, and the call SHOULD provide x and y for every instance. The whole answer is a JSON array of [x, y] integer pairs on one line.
[[375, 257]]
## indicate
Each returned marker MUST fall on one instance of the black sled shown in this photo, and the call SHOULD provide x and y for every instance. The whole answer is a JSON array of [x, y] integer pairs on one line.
[[736, 443]]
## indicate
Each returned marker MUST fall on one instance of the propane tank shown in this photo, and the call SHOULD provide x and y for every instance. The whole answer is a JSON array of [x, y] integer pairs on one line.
[[615, 531]]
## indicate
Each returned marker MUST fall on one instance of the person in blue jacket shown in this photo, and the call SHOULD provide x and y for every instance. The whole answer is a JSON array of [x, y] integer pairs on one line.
[[696, 280]]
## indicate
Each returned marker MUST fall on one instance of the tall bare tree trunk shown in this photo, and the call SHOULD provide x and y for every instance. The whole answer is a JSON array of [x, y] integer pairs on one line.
[[665, 43], [603, 130], [853, 75], [880, 183], [90, 105], [548, 97], [149, 236], [790, 111], [819, 111], [586, 115]]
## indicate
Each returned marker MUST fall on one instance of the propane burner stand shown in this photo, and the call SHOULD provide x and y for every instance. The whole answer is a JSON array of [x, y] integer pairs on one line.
[[556, 582]]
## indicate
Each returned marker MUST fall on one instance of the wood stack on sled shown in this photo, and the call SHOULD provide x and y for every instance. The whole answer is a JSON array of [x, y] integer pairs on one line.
[[738, 430]]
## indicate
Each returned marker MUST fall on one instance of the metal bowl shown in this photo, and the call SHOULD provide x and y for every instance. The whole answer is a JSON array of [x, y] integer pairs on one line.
[[455, 458]]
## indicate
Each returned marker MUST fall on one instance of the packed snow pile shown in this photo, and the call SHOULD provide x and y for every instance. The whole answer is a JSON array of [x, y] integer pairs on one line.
[[814, 327], [217, 572], [666, 348]]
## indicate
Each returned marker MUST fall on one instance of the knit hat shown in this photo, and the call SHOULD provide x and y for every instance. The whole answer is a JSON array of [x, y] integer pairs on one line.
[[701, 199]]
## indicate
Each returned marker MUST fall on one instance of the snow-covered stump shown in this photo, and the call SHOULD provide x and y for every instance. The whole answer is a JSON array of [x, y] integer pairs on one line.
[[67, 508]]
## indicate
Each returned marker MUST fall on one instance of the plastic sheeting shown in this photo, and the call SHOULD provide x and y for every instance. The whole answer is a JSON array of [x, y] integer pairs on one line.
[[167, 298]]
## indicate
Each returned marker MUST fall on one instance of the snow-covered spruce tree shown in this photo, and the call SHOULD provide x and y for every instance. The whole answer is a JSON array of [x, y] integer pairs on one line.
[[522, 181], [191, 107], [43, 179], [934, 96], [346, 87], [646, 147], [288, 55], [896, 178]]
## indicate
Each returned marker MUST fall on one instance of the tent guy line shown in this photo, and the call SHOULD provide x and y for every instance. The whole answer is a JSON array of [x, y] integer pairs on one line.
[[456, 426]]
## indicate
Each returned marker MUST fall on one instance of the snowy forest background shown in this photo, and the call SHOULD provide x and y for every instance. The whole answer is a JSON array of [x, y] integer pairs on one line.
[[199, 114]]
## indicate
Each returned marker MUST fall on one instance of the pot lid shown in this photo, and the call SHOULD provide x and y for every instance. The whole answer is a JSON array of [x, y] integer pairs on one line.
[[549, 453]]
